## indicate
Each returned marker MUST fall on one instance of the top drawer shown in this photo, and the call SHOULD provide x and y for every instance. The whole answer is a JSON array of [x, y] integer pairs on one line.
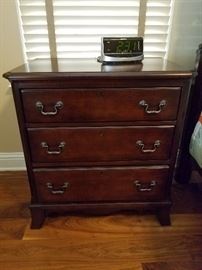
[[100, 105]]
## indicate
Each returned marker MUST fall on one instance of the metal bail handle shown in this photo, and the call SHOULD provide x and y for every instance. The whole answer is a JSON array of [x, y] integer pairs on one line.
[[140, 144], [53, 152], [40, 107], [146, 106], [140, 187], [57, 191]]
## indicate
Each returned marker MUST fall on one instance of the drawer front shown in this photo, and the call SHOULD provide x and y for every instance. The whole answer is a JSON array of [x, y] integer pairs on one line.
[[102, 184], [94, 144], [84, 105]]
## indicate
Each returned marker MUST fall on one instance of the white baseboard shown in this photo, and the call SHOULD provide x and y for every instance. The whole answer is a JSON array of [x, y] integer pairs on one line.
[[12, 161]]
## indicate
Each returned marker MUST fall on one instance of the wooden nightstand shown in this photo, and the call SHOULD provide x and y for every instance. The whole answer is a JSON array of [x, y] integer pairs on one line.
[[100, 138]]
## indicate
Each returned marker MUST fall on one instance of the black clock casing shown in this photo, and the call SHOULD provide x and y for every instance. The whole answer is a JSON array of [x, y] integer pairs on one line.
[[121, 49]]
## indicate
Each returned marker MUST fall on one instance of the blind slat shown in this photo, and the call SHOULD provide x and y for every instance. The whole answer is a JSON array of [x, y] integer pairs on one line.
[[96, 21], [116, 30], [97, 3]]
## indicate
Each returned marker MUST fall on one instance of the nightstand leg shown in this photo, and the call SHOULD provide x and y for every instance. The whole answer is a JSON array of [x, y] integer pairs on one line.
[[163, 215], [38, 217]]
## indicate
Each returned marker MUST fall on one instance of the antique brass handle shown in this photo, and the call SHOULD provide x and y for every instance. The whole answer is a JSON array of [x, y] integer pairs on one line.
[[140, 187], [140, 144], [59, 190], [144, 104], [53, 152], [57, 106]]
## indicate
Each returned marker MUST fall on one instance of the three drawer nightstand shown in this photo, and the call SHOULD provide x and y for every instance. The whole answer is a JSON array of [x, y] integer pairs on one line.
[[97, 138]]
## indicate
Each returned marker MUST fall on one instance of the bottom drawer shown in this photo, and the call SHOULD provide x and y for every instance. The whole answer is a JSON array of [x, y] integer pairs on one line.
[[101, 184]]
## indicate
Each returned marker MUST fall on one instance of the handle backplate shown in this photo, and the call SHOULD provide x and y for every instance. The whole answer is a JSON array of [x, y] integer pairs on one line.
[[53, 152], [141, 144], [146, 106], [58, 106], [143, 187], [57, 191]]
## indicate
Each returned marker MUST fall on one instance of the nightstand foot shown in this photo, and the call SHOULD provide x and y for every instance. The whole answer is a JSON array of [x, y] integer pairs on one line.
[[38, 216], [163, 216]]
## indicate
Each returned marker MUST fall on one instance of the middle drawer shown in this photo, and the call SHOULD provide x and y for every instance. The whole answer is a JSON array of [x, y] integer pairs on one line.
[[100, 144]]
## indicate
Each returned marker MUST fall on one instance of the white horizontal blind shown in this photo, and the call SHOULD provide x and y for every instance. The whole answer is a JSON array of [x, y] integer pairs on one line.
[[80, 24], [34, 23], [158, 15]]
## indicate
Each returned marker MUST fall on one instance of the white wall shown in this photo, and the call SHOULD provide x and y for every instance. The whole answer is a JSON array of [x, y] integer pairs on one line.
[[11, 55], [186, 32]]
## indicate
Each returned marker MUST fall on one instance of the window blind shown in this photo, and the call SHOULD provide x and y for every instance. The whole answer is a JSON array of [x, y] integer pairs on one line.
[[35, 29], [75, 27], [79, 24], [158, 21]]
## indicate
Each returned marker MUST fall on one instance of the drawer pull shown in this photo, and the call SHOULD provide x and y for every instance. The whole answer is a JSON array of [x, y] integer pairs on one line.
[[144, 104], [53, 152], [140, 187], [155, 146], [59, 190], [57, 106]]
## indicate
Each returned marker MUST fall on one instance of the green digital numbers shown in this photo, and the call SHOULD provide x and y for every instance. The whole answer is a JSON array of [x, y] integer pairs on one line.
[[124, 46], [119, 48]]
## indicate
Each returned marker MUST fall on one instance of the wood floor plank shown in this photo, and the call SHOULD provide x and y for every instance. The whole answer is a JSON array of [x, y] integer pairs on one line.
[[186, 265], [63, 227], [10, 175], [14, 209], [194, 247], [12, 228], [14, 187], [68, 265], [104, 247], [14, 195]]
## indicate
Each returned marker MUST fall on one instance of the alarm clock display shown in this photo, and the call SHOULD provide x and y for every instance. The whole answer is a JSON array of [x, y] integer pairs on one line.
[[121, 49]]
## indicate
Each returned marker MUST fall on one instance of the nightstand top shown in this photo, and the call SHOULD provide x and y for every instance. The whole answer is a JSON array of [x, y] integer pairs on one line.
[[90, 67]]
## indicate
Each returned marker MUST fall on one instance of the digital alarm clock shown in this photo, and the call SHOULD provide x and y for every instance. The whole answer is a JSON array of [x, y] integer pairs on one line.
[[121, 49]]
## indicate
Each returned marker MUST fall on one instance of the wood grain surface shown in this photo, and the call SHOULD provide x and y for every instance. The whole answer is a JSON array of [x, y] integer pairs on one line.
[[187, 265], [115, 242]]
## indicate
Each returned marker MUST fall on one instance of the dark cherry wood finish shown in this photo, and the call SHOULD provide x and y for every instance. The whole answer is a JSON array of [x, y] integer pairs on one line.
[[100, 143], [84, 105], [102, 184], [111, 136]]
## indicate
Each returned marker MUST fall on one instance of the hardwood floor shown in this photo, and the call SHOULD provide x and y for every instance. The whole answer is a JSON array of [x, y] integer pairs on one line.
[[173, 266], [115, 242]]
